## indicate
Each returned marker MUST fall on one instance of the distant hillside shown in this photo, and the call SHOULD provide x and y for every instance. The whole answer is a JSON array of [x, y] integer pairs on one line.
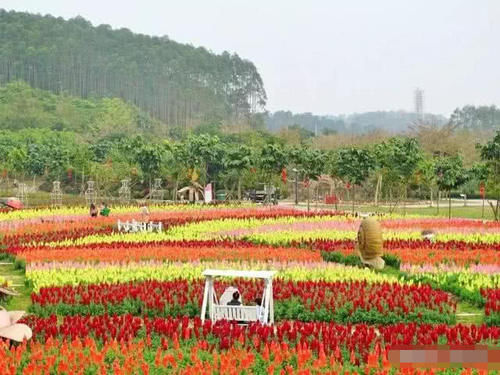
[[391, 121], [176, 83], [280, 119], [23, 107]]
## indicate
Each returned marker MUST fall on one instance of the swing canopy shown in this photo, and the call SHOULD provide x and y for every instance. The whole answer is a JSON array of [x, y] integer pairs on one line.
[[241, 313], [238, 273]]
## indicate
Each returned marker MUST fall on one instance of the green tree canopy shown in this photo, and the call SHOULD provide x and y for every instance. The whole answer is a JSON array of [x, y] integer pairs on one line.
[[450, 174], [476, 118], [490, 154], [272, 159], [354, 165]]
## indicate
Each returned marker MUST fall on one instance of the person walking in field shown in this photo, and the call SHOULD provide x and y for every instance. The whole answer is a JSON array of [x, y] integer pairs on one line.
[[144, 212], [105, 210], [93, 210]]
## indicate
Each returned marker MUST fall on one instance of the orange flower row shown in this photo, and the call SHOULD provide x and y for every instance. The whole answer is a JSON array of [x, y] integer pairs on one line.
[[459, 258], [138, 357], [171, 253], [438, 256], [75, 222]]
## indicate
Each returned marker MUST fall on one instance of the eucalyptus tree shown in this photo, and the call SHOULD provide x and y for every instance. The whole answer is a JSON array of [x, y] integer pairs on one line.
[[204, 154], [354, 165], [177, 164], [399, 159], [490, 154], [236, 161], [450, 174], [310, 163], [272, 160], [479, 172], [149, 157], [426, 175], [476, 118]]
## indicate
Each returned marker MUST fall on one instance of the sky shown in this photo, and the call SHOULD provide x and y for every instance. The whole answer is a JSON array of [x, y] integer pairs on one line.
[[329, 56]]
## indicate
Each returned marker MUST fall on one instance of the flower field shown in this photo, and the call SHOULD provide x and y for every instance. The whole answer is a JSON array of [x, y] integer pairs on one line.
[[347, 302], [106, 302]]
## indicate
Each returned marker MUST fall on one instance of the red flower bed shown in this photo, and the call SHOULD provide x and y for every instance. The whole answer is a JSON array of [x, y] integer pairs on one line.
[[316, 336], [308, 300], [434, 223], [492, 304], [331, 245], [178, 356]]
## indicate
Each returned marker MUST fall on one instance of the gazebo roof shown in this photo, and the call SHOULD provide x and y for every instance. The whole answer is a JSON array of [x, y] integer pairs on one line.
[[239, 273]]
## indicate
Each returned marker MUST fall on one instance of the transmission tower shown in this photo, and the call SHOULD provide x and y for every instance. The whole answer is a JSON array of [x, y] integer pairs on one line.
[[124, 191], [56, 194], [90, 193], [419, 103], [156, 191], [22, 193]]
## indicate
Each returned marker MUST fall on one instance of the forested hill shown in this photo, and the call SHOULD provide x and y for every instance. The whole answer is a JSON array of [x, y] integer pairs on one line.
[[176, 83], [23, 107], [308, 121]]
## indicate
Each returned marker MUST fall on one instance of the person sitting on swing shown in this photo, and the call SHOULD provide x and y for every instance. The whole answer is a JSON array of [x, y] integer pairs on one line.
[[236, 299]]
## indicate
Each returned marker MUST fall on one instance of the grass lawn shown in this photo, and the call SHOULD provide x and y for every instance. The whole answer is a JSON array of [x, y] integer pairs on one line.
[[17, 278], [470, 212], [469, 314]]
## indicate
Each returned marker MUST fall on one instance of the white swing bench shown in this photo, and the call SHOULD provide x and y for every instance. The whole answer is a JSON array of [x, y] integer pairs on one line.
[[239, 313]]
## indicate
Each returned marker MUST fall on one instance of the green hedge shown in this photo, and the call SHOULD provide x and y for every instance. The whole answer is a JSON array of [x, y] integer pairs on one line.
[[283, 310], [353, 260]]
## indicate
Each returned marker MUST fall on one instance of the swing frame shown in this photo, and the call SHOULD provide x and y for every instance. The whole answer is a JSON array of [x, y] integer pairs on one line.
[[239, 313]]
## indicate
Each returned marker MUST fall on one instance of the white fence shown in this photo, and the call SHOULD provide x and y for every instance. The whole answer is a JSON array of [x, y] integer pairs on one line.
[[137, 226]]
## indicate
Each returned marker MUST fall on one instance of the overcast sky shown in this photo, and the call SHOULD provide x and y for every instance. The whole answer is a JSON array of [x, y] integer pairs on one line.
[[329, 56]]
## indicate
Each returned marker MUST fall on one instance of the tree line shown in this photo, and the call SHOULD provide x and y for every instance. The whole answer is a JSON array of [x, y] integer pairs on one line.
[[175, 83], [396, 168], [480, 118]]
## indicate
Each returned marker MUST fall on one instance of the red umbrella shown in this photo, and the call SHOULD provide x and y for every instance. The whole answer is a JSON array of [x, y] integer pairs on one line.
[[12, 203]]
